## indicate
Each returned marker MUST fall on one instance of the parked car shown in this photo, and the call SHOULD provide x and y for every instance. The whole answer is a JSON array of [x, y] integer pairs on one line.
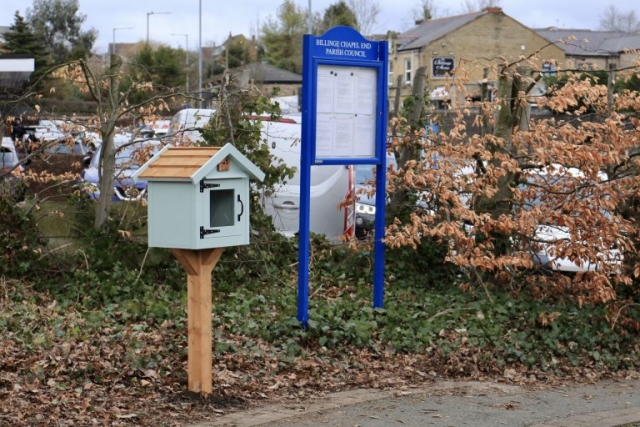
[[54, 130], [62, 147], [366, 197], [11, 171], [129, 157], [91, 140], [545, 243], [183, 128], [161, 128], [549, 235]]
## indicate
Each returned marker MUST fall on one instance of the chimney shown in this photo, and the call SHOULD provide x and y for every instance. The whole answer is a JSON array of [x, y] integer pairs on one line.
[[419, 22], [493, 9]]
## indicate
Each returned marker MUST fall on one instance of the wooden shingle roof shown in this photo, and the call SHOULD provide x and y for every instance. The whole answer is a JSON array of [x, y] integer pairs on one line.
[[193, 163], [179, 162]]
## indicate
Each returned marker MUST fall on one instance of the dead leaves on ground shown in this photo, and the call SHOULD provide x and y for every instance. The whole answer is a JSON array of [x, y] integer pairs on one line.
[[61, 367]]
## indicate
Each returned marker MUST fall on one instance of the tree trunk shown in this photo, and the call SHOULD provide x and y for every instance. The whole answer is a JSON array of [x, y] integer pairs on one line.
[[411, 151], [512, 117], [396, 99], [107, 178], [107, 168]]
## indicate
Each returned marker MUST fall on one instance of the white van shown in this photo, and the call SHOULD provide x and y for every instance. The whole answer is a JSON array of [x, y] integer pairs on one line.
[[183, 126], [330, 186]]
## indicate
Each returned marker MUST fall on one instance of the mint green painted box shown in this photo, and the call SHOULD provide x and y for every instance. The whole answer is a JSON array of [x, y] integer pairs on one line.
[[198, 197]]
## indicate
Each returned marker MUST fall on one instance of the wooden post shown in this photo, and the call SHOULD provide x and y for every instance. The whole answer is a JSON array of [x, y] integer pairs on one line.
[[199, 265]]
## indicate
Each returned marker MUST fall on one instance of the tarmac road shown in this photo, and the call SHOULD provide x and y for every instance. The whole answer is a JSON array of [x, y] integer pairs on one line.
[[605, 404]]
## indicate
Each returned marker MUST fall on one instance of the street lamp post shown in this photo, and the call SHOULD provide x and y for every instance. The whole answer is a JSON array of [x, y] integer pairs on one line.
[[113, 45], [200, 51], [186, 36], [154, 13]]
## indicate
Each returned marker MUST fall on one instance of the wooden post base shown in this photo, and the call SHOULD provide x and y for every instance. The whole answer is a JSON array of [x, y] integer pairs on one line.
[[199, 265]]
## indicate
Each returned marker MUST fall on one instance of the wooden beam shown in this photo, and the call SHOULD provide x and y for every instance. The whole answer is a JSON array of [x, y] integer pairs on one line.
[[199, 266], [188, 259]]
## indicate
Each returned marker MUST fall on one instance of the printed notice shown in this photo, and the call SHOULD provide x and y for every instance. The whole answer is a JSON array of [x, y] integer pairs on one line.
[[345, 91], [344, 137], [325, 94], [366, 91], [346, 104], [365, 130], [324, 134]]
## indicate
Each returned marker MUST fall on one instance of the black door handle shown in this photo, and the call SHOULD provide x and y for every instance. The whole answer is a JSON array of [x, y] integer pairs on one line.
[[241, 208]]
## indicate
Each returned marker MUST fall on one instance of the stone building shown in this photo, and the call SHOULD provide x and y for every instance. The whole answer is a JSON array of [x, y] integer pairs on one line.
[[460, 51], [595, 50], [270, 80]]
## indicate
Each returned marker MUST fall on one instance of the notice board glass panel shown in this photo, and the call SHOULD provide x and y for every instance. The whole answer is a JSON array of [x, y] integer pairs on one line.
[[346, 102]]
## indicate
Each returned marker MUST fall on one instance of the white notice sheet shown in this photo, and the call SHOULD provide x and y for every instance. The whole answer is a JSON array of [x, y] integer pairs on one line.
[[324, 135], [345, 90], [325, 94], [367, 91]]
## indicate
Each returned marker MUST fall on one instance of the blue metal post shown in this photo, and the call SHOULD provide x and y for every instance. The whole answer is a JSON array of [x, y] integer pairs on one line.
[[305, 185], [381, 181]]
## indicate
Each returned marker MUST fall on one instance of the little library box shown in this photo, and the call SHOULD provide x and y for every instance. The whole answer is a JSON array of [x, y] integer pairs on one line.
[[198, 197]]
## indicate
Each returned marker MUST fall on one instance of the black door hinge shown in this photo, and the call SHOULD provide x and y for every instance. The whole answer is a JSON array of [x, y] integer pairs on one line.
[[204, 232]]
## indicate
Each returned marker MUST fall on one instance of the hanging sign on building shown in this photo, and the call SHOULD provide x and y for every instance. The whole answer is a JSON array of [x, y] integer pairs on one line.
[[442, 66]]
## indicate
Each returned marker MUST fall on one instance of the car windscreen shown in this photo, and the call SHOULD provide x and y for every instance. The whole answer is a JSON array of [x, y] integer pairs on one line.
[[64, 148], [364, 174]]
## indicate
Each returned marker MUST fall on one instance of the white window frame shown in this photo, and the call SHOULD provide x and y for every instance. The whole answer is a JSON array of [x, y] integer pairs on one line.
[[407, 70]]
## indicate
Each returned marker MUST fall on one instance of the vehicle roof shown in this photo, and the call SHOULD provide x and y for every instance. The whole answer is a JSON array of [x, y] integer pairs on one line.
[[8, 142]]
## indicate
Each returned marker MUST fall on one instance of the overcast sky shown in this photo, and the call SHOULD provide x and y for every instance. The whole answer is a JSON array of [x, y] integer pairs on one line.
[[221, 17]]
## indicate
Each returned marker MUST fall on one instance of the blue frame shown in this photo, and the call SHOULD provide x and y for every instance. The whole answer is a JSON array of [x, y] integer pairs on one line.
[[381, 128], [341, 46]]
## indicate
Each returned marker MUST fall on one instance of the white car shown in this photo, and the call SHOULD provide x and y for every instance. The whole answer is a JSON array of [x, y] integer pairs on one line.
[[330, 185], [551, 236], [546, 242], [11, 171], [183, 127]]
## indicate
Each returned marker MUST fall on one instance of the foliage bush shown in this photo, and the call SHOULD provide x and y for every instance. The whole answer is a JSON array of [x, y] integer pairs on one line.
[[21, 241], [423, 266], [112, 266]]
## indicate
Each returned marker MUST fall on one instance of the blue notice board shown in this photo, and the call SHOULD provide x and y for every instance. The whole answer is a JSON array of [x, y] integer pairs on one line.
[[344, 122], [345, 87]]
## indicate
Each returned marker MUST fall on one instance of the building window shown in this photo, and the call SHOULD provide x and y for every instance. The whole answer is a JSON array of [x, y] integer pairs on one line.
[[407, 70], [390, 74], [584, 65], [549, 70]]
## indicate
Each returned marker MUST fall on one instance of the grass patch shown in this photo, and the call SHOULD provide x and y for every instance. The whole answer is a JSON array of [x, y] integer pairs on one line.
[[66, 221]]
